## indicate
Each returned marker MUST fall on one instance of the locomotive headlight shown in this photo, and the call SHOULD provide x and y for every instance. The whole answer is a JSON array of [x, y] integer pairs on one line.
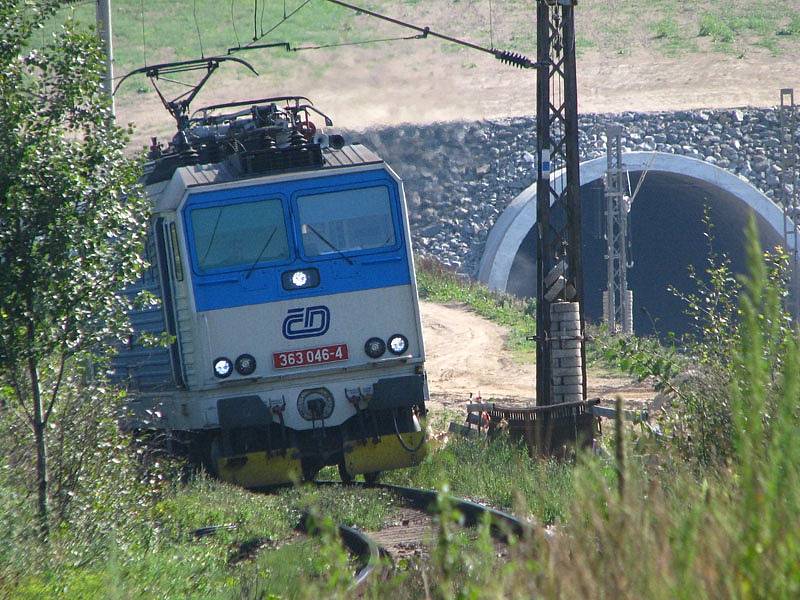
[[223, 367], [375, 347], [398, 344], [245, 364], [299, 278]]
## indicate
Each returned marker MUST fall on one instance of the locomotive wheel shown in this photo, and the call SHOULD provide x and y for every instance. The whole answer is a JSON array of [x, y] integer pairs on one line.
[[372, 478], [310, 471], [344, 475], [211, 451]]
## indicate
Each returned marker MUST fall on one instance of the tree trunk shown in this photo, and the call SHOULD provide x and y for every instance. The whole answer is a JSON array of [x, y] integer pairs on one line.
[[41, 446]]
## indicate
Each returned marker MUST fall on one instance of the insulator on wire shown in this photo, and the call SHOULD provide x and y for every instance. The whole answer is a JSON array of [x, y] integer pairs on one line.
[[515, 59]]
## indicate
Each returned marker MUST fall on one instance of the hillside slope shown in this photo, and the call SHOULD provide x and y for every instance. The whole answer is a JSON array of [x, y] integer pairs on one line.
[[633, 55]]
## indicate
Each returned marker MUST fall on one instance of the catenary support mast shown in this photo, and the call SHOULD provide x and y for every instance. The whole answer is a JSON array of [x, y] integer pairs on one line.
[[559, 262], [103, 16], [617, 299], [789, 193]]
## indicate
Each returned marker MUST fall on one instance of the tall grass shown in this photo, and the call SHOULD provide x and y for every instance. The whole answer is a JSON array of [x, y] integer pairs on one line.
[[499, 473], [728, 532]]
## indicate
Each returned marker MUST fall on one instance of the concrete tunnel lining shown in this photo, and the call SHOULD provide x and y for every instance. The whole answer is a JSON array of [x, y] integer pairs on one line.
[[519, 217]]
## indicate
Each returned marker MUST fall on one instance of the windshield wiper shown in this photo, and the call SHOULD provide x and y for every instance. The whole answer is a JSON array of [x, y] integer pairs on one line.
[[331, 246], [213, 236], [260, 254]]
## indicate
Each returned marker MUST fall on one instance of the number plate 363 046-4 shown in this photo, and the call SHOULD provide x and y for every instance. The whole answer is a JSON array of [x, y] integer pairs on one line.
[[310, 356]]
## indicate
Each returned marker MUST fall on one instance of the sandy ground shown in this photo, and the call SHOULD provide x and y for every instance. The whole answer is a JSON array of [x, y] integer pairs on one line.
[[466, 355]]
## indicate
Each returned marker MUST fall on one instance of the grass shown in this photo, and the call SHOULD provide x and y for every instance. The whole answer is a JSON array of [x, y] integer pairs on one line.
[[738, 26], [716, 28], [157, 556], [647, 523], [671, 37], [499, 473]]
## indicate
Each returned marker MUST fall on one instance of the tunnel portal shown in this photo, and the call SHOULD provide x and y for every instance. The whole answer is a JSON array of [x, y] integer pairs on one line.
[[668, 236]]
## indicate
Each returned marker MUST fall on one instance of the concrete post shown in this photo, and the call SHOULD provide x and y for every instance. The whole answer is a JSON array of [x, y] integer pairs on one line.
[[566, 353]]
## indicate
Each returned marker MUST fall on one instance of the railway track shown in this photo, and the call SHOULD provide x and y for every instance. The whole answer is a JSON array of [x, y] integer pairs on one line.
[[374, 559]]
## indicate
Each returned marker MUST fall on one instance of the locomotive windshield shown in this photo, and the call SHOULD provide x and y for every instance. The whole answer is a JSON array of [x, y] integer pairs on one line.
[[239, 235], [344, 221]]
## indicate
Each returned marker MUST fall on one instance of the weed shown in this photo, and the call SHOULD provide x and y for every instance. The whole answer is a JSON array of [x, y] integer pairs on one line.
[[666, 28], [716, 28]]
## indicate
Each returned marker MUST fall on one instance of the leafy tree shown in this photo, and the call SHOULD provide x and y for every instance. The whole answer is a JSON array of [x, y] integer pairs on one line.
[[71, 217]]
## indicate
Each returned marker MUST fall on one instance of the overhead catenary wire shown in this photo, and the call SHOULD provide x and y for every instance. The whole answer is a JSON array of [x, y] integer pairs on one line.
[[355, 43], [197, 27], [264, 34], [508, 57], [233, 24], [144, 42], [641, 178], [505, 56]]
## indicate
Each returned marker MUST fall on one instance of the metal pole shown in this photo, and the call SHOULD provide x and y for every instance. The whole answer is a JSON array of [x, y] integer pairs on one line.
[[573, 173], [789, 195], [544, 238], [559, 268], [103, 15], [613, 190]]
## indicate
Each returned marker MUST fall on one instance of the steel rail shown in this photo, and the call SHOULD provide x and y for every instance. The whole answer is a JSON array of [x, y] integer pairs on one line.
[[503, 524], [371, 556], [374, 560]]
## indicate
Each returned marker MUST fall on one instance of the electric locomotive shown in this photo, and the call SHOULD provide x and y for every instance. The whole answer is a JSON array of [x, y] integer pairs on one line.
[[288, 302]]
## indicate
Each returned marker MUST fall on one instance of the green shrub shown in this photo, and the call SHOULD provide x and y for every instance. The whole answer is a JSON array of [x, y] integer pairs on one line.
[[716, 28], [666, 28]]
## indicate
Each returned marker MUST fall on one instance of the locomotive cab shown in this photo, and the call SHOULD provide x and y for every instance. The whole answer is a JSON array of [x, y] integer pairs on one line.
[[288, 293]]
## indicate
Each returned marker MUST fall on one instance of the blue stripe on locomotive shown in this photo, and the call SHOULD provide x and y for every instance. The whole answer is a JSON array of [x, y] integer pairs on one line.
[[371, 269]]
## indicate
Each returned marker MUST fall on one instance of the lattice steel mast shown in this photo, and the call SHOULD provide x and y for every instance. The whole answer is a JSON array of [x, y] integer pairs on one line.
[[559, 264], [617, 299], [789, 195]]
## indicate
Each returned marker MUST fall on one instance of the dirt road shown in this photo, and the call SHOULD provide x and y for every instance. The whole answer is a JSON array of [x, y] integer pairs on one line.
[[466, 354]]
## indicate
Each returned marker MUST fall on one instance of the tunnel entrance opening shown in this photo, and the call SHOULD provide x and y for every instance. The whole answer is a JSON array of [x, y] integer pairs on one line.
[[668, 237]]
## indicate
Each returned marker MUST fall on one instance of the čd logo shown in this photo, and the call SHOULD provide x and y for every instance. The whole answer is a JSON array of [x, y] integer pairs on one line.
[[311, 321]]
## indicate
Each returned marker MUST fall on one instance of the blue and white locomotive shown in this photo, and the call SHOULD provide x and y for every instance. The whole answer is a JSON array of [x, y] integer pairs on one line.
[[283, 261]]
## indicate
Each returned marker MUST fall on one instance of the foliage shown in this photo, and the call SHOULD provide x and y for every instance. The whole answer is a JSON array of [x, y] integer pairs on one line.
[[98, 484], [732, 534], [728, 532], [695, 403], [71, 228], [72, 213]]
